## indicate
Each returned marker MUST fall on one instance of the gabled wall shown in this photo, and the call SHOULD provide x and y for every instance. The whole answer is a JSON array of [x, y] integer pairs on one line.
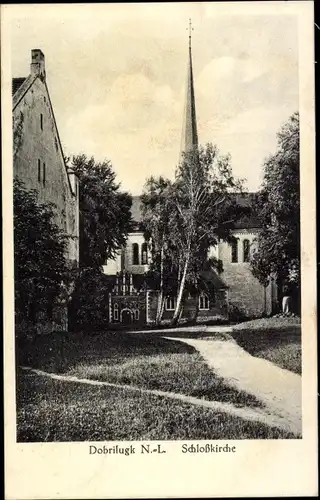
[[36, 139]]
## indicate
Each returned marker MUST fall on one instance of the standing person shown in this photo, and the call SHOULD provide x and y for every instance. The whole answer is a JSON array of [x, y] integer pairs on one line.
[[286, 301]]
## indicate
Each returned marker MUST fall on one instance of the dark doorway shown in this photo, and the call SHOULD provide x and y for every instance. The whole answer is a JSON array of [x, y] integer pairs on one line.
[[126, 317]]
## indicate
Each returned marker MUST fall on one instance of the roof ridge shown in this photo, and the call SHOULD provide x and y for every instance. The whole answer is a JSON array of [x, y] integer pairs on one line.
[[23, 89]]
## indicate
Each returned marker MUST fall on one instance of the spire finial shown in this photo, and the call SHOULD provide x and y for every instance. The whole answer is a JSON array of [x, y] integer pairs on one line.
[[190, 28], [189, 140]]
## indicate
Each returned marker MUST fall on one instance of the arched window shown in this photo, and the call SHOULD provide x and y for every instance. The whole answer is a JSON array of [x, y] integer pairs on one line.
[[234, 251], [203, 302], [246, 250], [116, 312], [170, 303], [144, 253], [135, 254]]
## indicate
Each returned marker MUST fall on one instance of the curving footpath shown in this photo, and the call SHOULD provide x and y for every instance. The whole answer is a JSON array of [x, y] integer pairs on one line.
[[278, 389], [255, 415]]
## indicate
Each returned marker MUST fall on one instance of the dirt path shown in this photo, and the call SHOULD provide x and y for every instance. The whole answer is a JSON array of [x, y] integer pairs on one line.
[[196, 328], [278, 389], [255, 415]]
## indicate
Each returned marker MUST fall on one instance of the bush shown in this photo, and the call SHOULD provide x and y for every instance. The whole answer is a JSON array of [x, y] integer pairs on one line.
[[236, 314], [89, 305], [42, 272]]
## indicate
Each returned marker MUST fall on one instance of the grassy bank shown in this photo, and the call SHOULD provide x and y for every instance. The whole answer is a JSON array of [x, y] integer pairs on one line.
[[276, 339], [181, 373], [140, 359], [51, 410]]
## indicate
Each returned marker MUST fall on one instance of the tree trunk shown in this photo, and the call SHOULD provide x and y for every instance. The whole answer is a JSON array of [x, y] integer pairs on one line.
[[161, 308], [160, 296], [195, 316], [176, 315]]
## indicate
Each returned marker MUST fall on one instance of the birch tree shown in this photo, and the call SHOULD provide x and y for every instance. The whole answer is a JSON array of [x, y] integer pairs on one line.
[[203, 211]]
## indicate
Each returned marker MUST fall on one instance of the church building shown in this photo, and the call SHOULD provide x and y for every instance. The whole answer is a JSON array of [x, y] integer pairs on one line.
[[235, 290], [38, 159]]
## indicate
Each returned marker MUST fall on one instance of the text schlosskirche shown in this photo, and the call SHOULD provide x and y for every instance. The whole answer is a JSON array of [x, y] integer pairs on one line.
[[207, 448]]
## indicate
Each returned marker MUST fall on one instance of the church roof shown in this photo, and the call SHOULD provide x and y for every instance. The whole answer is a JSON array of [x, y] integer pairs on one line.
[[244, 200], [16, 84], [22, 85]]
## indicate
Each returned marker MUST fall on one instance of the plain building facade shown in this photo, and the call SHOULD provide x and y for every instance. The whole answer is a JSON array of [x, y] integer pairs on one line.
[[38, 159]]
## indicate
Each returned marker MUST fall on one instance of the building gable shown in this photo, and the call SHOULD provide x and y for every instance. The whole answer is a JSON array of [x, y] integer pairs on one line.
[[37, 152]]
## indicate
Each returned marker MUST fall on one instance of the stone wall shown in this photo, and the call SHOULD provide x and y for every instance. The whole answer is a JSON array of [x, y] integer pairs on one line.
[[245, 291], [218, 308], [124, 309], [39, 162], [115, 266]]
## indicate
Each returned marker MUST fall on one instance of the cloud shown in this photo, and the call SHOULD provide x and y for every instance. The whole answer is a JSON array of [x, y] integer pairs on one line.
[[250, 137], [116, 75], [138, 128]]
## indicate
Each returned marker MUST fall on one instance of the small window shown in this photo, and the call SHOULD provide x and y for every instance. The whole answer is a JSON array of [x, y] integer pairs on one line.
[[39, 171], [234, 251], [116, 312], [135, 254], [170, 303], [246, 250], [144, 253], [41, 121], [136, 314], [203, 302], [44, 174]]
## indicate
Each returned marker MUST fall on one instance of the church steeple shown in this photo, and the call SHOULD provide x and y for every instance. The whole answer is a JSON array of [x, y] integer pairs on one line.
[[189, 139]]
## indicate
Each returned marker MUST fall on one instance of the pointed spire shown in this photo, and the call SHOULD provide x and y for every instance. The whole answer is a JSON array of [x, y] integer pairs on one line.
[[189, 139]]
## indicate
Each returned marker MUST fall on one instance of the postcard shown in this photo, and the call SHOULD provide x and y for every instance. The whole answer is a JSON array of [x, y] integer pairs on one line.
[[159, 250]]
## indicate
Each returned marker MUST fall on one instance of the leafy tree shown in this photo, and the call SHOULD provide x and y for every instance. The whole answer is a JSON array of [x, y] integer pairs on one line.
[[278, 251], [185, 218], [40, 246], [204, 211], [156, 210], [89, 304], [105, 217]]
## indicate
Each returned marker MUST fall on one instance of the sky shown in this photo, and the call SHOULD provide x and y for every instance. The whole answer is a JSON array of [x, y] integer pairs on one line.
[[117, 79]]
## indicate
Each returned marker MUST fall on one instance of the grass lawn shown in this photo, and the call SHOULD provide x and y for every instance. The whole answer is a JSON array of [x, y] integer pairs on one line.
[[181, 373], [51, 410], [277, 339], [140, 359]]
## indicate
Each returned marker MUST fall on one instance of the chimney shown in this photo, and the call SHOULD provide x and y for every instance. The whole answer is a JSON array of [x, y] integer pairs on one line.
[[37, 63]]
